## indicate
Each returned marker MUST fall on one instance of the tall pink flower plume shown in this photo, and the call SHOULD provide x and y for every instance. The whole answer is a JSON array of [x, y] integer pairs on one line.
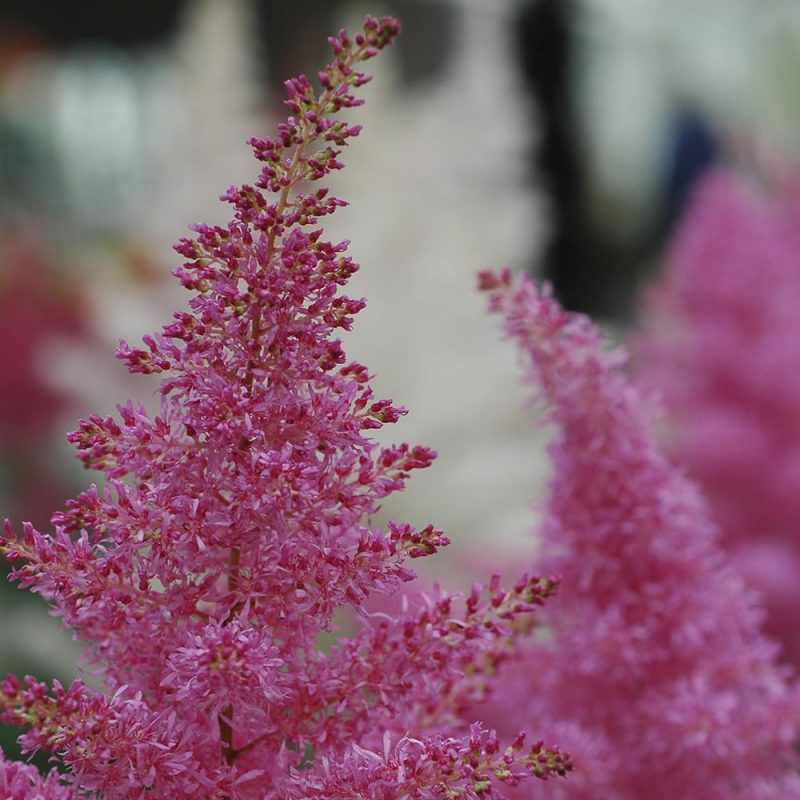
[[720, 343], [653, 673], [234, 524]]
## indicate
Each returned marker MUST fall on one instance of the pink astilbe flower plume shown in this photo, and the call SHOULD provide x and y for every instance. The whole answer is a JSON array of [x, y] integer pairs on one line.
[[719, 342], [653, 673], [235, 523]]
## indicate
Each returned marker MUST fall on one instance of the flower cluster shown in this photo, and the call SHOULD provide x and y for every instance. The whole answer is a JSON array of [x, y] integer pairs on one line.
[[236, 522], [439, 766], [719, 342], [20, 781], [655, 675]]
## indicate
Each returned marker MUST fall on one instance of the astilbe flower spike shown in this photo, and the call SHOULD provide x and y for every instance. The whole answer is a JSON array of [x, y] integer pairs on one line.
[[654, 674], [235, 523], [20, 781], [719, 341]]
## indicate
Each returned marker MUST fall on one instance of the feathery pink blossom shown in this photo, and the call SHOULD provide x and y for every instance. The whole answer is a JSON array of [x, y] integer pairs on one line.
[[235, 523], [654, 673], [20, 781], [720, 343]]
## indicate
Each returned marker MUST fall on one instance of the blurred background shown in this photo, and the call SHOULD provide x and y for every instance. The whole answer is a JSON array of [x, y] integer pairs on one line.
[[561, 137]]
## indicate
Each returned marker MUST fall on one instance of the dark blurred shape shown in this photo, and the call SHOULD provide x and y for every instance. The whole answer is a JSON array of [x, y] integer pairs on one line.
[[288, 47], [26, 164], [693, 149], [546, 51], [430, 27], [26, 173], [136, 24], [593, 267], [293, 35]]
